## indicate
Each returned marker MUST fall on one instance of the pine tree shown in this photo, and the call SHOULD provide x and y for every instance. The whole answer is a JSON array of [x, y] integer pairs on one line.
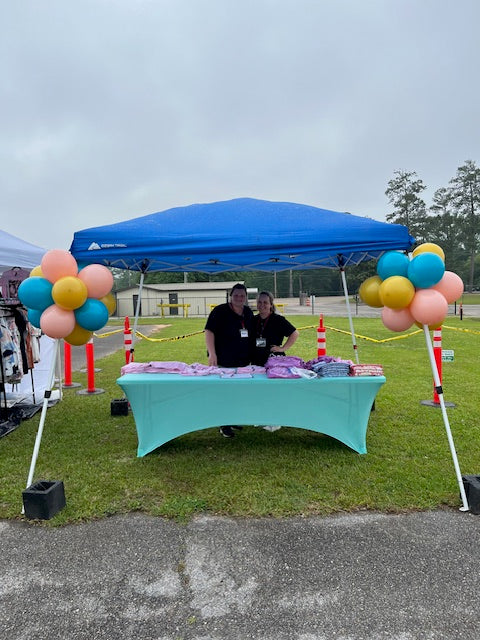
[[409, 208], [465, 199]]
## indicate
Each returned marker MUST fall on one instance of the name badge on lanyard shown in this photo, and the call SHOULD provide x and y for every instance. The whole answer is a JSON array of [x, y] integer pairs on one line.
[[244, 333], [260, 342]]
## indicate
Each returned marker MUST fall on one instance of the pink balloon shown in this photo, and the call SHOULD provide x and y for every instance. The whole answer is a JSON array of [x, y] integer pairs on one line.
[[397, 319], [99, 280], [56, 322], [429, 307], [450, 286], [58, 263]]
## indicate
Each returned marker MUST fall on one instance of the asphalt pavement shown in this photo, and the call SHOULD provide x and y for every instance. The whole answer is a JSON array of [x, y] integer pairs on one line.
[[362, 576]]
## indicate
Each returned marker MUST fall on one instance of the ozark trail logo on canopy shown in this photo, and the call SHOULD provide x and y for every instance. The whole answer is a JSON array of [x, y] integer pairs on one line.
[[96, 247]]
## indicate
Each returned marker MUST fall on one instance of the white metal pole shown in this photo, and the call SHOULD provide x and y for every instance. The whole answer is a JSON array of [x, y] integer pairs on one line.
[[349, 312], [439, 390], [137, 311], [46, 398]]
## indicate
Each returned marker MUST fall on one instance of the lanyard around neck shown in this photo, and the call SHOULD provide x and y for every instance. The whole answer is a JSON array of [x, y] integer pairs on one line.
[[261, 324]]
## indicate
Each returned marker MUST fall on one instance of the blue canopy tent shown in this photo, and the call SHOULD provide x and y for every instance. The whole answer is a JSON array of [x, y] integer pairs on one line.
[[244, 234], [239, 235]]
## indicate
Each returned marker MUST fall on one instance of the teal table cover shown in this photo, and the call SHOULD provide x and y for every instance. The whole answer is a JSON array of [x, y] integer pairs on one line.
[[166, 406]]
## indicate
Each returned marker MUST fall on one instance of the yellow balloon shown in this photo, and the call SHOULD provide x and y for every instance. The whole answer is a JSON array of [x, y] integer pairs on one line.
[[37, 271], [396, 292], [429, 247], [430, 326], [110, 302], [369, 291], [78, 336], [69, 292]]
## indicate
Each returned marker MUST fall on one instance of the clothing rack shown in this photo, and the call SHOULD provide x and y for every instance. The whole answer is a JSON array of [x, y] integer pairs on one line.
[[7, 308]]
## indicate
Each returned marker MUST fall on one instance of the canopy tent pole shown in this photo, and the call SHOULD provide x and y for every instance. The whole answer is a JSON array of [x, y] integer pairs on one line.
[[438, 388], [137, 313], [349, 313], [46, 397]]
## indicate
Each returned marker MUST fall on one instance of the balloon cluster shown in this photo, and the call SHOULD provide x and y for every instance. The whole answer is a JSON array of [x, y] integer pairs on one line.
[[65, 302], [416, 291]]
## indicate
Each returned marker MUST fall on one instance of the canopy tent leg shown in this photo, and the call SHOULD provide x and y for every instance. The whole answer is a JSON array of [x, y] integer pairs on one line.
[[46, 397], [349, 313], [439, 391], [137, 313]]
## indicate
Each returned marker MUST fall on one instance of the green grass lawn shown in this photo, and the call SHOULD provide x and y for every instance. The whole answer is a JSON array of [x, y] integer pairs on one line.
[[470, 298], [288, 472]]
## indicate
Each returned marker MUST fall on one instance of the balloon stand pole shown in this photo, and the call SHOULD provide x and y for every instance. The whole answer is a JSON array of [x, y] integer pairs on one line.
[[91, 389], [59, 373], [439, 390], [349, 312], [437, 351], [67, 362], [43, 415]]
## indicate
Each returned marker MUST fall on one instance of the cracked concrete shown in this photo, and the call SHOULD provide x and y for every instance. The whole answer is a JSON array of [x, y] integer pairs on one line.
[[363, 576]]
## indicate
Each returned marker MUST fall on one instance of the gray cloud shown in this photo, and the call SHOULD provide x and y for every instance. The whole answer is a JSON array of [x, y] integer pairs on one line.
[[118, 108]]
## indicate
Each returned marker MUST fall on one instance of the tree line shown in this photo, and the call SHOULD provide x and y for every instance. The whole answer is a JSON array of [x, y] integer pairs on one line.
[[452, 220]]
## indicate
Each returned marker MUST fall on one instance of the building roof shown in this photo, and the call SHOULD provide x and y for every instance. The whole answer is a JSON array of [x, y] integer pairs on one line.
[[188, 286]]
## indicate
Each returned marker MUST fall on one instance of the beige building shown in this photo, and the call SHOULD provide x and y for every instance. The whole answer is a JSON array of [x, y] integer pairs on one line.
[[176, 299]]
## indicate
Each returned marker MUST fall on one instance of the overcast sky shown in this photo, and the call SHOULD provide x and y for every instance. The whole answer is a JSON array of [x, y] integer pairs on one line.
[[112, 109]]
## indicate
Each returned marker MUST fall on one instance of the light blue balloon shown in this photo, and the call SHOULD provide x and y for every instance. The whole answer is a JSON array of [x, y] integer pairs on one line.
[[392, 263], [34, 317], [425, 270], [36, 293], [92, 315]]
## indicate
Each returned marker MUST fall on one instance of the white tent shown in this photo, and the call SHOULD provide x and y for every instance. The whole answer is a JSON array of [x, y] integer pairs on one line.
[[15, 252]]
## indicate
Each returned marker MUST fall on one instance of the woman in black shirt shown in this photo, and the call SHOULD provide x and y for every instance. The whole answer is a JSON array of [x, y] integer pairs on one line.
[[270, 329]]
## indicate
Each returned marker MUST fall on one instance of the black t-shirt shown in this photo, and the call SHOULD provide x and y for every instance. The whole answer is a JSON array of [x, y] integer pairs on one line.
[[273, 329], [232, 349]]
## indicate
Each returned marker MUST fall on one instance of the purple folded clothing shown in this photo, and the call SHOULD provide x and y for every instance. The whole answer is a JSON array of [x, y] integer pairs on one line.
[[281, 372], [284, 361]]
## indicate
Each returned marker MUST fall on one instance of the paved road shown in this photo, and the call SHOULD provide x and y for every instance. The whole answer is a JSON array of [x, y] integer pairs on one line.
[[105, 346], [362, 576]]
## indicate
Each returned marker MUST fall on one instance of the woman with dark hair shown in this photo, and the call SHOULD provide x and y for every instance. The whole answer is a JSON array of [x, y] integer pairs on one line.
[[270, 329], [228, 335]]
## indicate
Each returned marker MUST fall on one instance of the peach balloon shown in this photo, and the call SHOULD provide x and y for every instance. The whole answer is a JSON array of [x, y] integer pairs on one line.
[[99, 280], [429, 307], [58, 263], [397, 319], [450, 286], [429, 247], [56, 322], [78, 336]]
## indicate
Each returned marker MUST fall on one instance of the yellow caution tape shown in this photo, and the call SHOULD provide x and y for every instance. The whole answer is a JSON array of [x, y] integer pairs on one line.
[[107, 334], [463, 330], [313, 326]]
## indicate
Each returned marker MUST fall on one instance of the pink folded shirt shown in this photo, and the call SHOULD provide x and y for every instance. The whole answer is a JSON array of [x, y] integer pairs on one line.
[[195, 369]]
